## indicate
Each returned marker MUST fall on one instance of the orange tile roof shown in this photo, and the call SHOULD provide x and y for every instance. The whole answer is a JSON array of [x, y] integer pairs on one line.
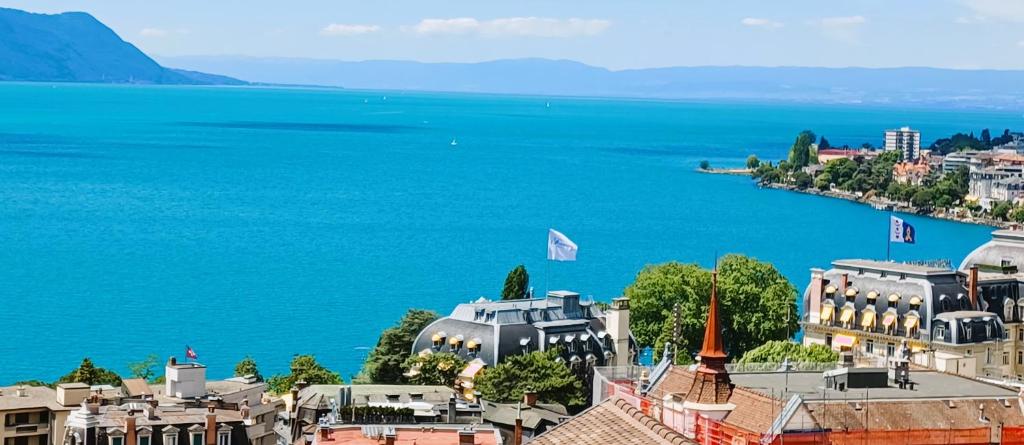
[[613, 422], [407, 436], [754, 411]]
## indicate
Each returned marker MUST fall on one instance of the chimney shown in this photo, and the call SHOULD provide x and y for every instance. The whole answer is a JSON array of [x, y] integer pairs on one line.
[[844, 282], [150, 409], [94, 404], [129, 428], [390, 438], [245, 412], [211, 424], [617, 326], [517, 435], [20, 392], [972, 287], [452, 409], [467, 437], [530, 398], [813, 307], [295, 399], [301, 384]]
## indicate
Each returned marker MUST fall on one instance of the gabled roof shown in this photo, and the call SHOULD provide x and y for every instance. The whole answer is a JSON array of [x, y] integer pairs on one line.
[[613, 422]]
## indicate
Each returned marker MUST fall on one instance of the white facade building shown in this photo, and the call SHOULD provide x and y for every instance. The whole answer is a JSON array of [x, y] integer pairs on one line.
[[904, 140], [185, 380]]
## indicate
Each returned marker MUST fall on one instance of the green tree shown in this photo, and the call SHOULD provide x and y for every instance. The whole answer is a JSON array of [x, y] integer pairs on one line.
[[537, 371], [384, 363], [516, 284], [31, 383], [778, 350], [802, 180], [753, 162], [1017, 215], [922, 198], [434, 369], [304, 368], [246, 367], [800, 152], [824, 144], [822, 182], [757, 303], [705, 165], [145, 369], [90, 374], [1001, 210]]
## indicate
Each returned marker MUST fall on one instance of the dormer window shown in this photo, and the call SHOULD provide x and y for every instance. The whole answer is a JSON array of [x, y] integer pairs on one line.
[[224, 435], [143, 435], [455, 343], [939, 333], [830, 292], [894, 300], [851, 293], [438, 339], [115, 436], [473, 346], [170, 435], [196, 435]]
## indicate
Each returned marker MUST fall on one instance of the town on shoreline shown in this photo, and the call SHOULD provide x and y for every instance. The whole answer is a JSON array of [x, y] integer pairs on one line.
[[964, 178], [895, 337]]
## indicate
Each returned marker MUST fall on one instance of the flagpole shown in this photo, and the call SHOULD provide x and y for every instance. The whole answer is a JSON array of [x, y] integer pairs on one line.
[[888, 237]]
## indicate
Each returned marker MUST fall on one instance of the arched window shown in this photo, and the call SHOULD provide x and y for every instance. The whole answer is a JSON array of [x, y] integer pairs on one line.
[[1008, 306], [945, 305]]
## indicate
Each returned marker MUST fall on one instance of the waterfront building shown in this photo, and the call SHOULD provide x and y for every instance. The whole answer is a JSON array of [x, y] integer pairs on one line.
[[485, 332], [993, 174], [912, 173], [831, 154], [953, 161], [904, 140], [35, 415]]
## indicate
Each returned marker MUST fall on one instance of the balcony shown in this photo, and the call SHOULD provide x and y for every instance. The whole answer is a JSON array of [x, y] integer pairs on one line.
[[26, 429]]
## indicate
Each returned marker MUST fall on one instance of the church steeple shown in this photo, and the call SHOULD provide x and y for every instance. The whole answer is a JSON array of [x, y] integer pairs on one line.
[[711, 384], [713, 347]]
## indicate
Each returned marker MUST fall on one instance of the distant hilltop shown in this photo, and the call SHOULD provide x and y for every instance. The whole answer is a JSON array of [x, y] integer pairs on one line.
[[75, 47], [897, 86]]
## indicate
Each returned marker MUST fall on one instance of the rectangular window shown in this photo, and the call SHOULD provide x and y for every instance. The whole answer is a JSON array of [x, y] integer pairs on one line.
[[143, 440], [23, 440], [197, 439], [1006, 358], [869, 347], [828, 340], [117, 440], [890, 349], [170, 439], [224, 439]]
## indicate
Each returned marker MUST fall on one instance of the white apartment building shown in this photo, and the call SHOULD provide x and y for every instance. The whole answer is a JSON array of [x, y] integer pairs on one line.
[[904, 140]]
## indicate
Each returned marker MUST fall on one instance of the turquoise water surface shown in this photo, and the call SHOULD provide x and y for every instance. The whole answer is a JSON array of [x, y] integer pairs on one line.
[[136, 220]]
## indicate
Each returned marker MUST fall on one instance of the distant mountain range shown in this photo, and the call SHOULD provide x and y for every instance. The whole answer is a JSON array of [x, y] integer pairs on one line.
[[568, 78], [75, 47]]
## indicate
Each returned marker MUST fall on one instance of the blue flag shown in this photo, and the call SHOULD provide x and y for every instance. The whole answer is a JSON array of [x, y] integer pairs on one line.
[[901, 232]]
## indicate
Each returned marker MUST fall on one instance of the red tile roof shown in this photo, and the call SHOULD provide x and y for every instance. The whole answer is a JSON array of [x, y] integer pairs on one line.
[[754, 411], [613, 422]]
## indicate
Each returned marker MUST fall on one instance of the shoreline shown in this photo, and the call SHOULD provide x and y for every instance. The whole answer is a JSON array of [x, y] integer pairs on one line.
[[874, 202]]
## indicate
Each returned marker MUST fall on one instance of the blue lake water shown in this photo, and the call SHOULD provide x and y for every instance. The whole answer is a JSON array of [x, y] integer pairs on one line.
[[136, 220]]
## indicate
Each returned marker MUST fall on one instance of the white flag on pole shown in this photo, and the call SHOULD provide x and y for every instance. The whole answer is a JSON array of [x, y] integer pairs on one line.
[[560, 247]]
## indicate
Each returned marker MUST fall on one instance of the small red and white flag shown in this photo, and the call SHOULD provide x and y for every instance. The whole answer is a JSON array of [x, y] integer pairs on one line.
[[190, 353]]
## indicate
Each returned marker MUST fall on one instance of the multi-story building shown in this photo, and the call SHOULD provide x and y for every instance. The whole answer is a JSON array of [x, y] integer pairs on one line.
[[809, 403], [964, 321], [904, 140], [484, 332], [35, 415], [912, 173], [953, 161]]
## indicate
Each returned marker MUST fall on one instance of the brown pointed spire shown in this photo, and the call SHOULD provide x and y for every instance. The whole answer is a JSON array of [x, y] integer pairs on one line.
[[713, 345]]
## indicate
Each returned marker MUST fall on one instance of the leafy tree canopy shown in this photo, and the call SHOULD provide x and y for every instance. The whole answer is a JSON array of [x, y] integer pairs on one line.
[[304, 368], [90, 374], [384, 363], [704, 165], [778, 350], [537, 371], [800, 153], [753, 162], [247, 366], [145, 369], [434, 369], [516, 284], [754, 302]]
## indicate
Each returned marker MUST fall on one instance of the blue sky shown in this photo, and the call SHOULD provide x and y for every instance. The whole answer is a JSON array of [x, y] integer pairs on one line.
[[616, 34]]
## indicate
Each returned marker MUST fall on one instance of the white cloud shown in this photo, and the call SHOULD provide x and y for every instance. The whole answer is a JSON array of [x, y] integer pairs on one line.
[[1020, 43], [513, 26], [844, 29], [154, 32], [339, 29], [1003, 10], [761, 23]]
